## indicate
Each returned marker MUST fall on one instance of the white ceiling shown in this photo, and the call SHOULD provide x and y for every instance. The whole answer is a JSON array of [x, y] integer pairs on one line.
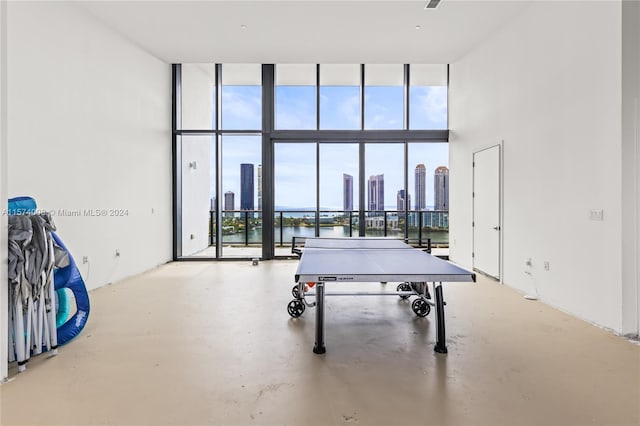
[[305, 31]]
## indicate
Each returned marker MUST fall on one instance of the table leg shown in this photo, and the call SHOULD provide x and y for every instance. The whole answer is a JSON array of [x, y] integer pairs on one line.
[[441, 344], [319, 347]]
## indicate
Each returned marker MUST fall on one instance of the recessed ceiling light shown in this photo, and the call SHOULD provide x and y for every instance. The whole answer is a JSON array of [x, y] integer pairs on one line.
[[243, 27], [418, 27], [432, 4]]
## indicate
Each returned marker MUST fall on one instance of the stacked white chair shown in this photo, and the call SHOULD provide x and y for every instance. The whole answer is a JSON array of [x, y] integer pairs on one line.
[[32, 258]]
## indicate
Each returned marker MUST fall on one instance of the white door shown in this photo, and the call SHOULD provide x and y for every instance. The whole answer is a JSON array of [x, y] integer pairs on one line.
[[486, 211]]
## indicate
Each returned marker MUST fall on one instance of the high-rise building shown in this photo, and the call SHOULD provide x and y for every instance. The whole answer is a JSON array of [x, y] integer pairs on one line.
[[375, 187], [212, 206], [441, 189], [260, 187], [246, 187], [229, 203], [421, 188], [400, 200], [347, 192]]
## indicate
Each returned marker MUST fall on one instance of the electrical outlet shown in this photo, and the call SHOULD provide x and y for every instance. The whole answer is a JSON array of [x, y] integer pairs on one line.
[[546, 265], [117, 253], [85, 259]]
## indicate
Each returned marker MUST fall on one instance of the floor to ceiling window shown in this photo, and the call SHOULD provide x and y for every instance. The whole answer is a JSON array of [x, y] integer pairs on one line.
[[384, 174], [266, 152], [340, 106], [241, 217], [384, 97], [339, 185], [428, 188], [294, 192], [241, 160], [197, 165], [295, 97], [428, 101]]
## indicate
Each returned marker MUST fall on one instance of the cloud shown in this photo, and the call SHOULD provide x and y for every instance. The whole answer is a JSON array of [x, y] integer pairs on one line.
[[431, 103], [383, 107], [295, 108], [350, 109], [339, 107], [241, 107]]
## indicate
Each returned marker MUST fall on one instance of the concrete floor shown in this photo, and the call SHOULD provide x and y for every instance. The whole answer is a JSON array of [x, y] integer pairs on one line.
[[206, 343]]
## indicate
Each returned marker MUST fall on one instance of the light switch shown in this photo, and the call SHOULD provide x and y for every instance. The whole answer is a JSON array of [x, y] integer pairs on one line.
[[596, 214]]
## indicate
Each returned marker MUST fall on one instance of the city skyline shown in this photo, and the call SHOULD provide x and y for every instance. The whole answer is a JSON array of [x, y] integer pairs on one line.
[[441, 188], [375, 191], [229, 201], [295, 171], [420, 187], [348, 192], [401, 200], [247, 187]]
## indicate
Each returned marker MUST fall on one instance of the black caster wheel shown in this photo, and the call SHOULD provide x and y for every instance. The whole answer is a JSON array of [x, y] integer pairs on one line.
[[295, 291], [295, 308], [404, 287], [420, 307]]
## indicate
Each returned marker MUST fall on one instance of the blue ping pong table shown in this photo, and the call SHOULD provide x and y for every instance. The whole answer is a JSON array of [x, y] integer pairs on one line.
[[335, 260]]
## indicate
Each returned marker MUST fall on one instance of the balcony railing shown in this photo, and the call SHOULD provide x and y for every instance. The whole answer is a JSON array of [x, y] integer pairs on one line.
[[244, 227]]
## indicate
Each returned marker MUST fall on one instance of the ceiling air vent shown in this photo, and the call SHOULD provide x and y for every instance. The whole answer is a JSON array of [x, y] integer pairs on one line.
[[432, 4]]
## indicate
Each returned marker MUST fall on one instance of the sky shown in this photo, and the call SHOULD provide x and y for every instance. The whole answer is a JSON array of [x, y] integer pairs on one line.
[[295, 163]]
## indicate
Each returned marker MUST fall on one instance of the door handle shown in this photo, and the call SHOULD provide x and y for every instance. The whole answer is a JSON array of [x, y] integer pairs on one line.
[[497, 228]]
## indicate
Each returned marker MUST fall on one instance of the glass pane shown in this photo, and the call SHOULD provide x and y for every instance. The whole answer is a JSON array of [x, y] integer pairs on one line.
[[295, 97], [241, 219], [198, 96], [384, 107], [294, 191], [339, 194], [384, 96], [241, 107], [428, 108], [428, 97], [384, 171], [241, 97], [441, 189], [198, 195], [295, 108], [429, 182], [339, 108], [340, 97], [295, 223]]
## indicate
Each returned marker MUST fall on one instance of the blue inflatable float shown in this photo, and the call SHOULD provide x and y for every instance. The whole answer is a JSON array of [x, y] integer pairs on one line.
[[69, 277], [64, 278]]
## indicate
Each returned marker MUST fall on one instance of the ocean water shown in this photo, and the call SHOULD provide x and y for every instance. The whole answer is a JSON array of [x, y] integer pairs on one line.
[[288, 232]]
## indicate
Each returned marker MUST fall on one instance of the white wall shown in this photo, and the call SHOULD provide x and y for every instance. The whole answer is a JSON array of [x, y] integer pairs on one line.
[[195, 193], [630, 175], [548, 84], [198, 81], [4, 302], [89, 128]]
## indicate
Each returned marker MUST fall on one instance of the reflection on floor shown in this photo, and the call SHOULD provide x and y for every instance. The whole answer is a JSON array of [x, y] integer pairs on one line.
[[211, 343]]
